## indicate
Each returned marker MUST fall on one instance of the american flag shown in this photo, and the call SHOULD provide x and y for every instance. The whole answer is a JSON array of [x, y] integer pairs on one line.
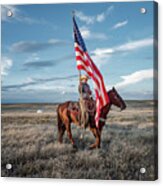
[[84, 62]]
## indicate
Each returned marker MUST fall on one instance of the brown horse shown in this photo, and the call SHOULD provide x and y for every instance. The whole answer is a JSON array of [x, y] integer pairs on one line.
[[66, 116]]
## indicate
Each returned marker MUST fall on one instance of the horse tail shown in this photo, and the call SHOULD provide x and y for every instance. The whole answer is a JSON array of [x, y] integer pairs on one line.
[[59, 120]]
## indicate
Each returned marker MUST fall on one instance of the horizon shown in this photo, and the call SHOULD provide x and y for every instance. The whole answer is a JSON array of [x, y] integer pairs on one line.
[[14, 103]]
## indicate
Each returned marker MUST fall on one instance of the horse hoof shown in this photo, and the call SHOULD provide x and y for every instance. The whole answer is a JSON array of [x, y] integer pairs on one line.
[[74, 146], [91, 147]]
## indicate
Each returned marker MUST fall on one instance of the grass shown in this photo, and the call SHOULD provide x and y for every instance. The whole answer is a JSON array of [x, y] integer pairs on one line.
[[29, 143]]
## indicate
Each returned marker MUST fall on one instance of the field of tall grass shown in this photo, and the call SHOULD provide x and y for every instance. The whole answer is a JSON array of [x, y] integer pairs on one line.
[[29, 144]]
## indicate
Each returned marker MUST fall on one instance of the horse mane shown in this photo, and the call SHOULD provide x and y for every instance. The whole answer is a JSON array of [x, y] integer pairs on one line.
[[108, 92]]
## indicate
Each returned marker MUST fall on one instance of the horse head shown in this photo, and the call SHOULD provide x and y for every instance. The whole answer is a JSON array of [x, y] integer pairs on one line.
[[116, 99]]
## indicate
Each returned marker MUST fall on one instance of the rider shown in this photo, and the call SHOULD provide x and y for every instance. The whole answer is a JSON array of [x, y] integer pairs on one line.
[[85, 95]]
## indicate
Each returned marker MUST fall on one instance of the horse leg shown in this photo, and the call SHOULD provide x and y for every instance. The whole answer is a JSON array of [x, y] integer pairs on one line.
[[100, 129], [68, 128], [61, 127], [61, 131], [98, 138]]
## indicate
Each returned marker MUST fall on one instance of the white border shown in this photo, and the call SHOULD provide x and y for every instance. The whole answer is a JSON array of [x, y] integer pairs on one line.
[[57, 182]]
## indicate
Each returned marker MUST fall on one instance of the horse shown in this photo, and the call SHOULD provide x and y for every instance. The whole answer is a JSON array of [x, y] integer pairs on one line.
[[66, 116]]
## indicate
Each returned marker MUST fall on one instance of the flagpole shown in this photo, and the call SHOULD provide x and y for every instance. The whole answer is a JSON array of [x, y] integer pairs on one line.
[[73, 13], [79, 71], [81, 97]]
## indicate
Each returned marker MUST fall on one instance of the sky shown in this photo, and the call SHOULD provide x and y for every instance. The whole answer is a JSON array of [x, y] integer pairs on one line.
[[38, 59]]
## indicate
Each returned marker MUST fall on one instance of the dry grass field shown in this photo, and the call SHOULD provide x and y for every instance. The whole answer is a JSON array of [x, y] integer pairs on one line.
[[29, 143]]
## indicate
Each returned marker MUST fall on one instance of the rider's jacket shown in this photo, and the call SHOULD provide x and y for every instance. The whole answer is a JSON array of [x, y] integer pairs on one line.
[[84, 90]]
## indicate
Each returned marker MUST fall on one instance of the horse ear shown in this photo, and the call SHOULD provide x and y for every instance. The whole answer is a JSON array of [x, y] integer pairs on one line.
[[113, 89]]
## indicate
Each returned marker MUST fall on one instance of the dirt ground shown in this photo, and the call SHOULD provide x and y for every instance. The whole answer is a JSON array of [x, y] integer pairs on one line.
[[29, 143]]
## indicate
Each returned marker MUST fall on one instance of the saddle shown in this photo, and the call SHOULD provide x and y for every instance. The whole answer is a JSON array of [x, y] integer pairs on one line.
[[73, 106], [90, 108], [90, 105]]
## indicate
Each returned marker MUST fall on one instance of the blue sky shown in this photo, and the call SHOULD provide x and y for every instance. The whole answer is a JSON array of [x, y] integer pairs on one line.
[[38, 59]]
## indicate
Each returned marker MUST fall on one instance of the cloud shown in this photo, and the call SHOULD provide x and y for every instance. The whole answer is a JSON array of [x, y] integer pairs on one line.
[[38, 64], [36, 81], [37, 96], [96, 18], [120, 24], [84, 18], [6, 64], [34, 46], [100, 60], [126, 47], [100, 17], [87, 34], [45, 80], [103, 54], [133, 45], [137, 95], [135, 77], [32, 57]]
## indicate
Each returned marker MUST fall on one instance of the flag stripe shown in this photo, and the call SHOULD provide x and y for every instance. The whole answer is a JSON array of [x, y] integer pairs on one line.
[[94, 76], [105, 96]]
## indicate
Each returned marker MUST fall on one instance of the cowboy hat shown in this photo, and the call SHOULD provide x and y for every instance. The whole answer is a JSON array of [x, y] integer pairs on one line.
[[82, 77]]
